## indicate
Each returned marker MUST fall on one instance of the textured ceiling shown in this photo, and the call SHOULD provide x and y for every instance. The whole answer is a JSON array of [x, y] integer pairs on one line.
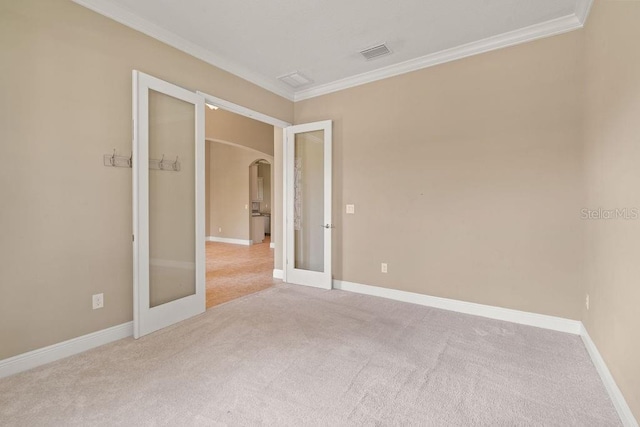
[[266, 39]]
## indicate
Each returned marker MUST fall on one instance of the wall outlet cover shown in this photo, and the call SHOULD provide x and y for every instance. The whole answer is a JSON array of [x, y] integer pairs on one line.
[[97, 301]]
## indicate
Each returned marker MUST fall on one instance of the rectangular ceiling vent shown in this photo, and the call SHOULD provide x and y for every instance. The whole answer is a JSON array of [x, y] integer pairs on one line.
[[375, 52], [295, 80]]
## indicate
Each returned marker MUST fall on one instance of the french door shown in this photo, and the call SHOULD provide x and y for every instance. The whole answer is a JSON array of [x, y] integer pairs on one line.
[[168, 204], [308, 190]]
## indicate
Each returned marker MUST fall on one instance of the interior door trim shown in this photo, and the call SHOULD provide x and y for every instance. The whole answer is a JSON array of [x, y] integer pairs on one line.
[[148, 319]]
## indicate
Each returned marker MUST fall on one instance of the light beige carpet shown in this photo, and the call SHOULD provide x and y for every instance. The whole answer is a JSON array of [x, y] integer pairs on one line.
[[299, 356]]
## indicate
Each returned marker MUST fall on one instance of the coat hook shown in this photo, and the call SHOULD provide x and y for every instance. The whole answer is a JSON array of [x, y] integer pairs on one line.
[[161, 163], [131, 159], [113, 158], [175, 164]]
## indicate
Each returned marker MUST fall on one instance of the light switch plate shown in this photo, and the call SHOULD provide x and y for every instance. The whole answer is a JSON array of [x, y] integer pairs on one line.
[[351, 209]]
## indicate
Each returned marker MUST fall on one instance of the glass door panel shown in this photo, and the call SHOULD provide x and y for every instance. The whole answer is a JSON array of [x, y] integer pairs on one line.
[[172, 216], [308, 215], [308, 207]]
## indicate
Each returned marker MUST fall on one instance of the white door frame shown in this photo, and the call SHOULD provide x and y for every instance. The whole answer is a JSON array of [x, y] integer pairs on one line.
[[256, 115], [148, 319]]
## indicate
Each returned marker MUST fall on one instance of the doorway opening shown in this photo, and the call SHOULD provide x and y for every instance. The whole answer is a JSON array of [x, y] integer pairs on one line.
[[261, 197], [239, 194]]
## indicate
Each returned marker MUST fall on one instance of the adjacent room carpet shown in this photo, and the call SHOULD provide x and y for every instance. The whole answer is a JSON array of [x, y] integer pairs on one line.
[[292, 355]]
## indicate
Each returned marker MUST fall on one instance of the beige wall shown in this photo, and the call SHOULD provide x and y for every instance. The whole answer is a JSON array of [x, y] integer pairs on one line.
[[229, 190], [230, 127], [207, 188], [66, 219], [612, 175], [237, 130], [466, 178], [264, 172]]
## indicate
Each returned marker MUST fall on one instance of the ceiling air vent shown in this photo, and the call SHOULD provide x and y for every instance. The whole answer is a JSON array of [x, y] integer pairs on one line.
[[375, 52], [295, 80]]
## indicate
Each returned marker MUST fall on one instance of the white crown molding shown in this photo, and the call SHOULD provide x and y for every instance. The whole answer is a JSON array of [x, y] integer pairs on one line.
[[131, 20], [619, 402], [534, 32], [498, 313], [523, 35], [228, 240], [583, 7], [42, 356]]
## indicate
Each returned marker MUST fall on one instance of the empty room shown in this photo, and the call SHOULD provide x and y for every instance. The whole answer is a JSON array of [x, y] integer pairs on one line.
[[444, 195]]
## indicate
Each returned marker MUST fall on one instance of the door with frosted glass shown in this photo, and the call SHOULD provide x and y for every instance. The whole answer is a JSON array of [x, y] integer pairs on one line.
[[309, 225], [168, 204]]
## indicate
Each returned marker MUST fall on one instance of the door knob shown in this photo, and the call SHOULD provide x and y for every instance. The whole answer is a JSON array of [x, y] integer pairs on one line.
[[327, 226]]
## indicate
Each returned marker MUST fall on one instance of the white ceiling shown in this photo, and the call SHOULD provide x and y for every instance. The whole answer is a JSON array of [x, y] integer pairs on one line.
[[262, 40]]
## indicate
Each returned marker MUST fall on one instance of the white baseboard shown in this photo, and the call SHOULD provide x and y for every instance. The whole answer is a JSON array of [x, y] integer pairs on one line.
[[227, 240], [619, 402], [499, 313], [560, 324], [42, 356], [272, 245], [278, 274]]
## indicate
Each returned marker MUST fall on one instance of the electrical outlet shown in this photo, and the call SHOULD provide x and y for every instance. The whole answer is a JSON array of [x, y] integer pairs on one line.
[[351, 209], [586, 302], [383, 267], [246, 207], [98, 301], [219, 229]]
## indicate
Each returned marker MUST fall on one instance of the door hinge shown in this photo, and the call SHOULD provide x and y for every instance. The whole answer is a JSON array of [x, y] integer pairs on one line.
[[133, 237]]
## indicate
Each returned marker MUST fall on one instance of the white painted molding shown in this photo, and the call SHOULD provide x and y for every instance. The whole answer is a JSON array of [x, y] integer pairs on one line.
[[574, 327], [545, 29], [131, 20], [619, 402], [277, 274], [272, 245], [515, 316], [583, 7], [523, 35], [227, 240], [243, 111], [42, 356]]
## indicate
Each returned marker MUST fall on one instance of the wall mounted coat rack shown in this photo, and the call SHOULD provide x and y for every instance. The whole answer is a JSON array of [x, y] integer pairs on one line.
[[112, 160]]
